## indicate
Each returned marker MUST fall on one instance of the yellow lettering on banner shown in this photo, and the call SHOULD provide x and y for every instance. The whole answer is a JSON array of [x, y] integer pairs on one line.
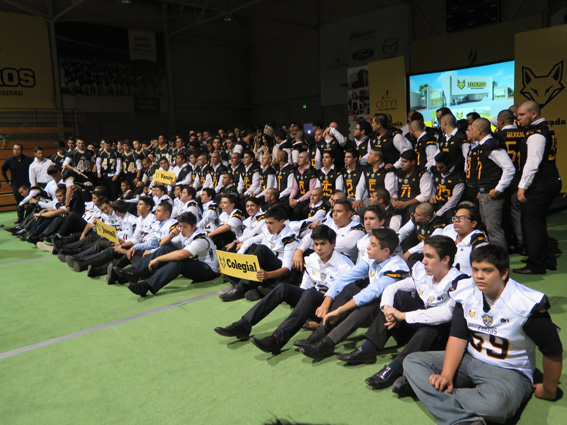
[[106, 231], [166, 177], [238, 265]]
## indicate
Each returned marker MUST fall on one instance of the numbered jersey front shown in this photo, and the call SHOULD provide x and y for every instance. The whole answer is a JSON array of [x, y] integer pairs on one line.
[[497, 335]]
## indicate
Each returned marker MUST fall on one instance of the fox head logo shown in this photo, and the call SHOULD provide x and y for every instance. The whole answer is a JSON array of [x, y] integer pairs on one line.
[[542, 88], [461, 84]]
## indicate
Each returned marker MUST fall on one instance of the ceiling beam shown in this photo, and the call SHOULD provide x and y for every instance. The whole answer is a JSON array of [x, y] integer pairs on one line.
[[26, 8], [64, 11], [220, 15]]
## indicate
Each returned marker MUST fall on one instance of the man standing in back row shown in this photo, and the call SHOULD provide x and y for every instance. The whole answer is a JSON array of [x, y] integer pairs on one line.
[[539, 185]]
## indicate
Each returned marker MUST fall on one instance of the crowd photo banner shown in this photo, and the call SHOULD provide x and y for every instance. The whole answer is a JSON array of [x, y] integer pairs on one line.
[[241, 266], [387, 85], [106, 231], [541, 57], [26, 78]]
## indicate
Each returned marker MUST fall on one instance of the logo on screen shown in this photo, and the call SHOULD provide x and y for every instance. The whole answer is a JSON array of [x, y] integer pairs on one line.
[[461, 84], [542, 88]]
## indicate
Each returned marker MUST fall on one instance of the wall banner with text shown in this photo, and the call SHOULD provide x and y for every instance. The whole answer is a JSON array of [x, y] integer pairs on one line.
[[26, 78], [387, 79]]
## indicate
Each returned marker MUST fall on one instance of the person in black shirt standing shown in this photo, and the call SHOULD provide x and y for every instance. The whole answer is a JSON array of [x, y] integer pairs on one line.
[[539, 185], [18, 165]]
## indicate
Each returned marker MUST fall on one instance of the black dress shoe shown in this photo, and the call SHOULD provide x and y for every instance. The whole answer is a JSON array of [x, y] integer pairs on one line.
[[319, 350], [267, 345], [358, 356], [383, 379], [315, 337], [126, 275], [403, 388], [232, 294], [252, 295], [140, 289], [112, 277], [94, 271], [75, 264], [527, 270], [238, 330]]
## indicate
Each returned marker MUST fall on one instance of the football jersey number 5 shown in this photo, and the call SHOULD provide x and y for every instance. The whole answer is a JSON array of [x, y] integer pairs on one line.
[[497, 348]]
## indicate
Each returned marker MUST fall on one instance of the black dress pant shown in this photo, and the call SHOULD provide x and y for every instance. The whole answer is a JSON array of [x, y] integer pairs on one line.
[[534, 225], [306, 303], [268, 262], [415, 337]]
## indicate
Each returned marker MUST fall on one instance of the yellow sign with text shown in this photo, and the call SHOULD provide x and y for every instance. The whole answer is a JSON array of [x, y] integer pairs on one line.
[[26, 77], [106, 231], [540, 76], [166, 177], [238, 265], [387, 86]]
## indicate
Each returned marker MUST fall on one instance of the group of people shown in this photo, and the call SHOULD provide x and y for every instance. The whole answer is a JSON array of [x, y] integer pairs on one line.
[[401, 231]]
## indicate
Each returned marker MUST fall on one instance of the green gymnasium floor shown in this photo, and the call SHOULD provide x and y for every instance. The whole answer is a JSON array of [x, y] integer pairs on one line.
[[168, 366]]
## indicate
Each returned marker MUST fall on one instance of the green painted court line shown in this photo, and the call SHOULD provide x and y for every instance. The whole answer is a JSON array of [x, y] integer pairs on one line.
[[105, 325]]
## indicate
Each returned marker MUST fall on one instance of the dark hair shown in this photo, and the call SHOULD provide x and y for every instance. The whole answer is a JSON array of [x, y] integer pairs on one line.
[[24, 187], [364, 126], [125, 181], [101, 192], [190, 190], [254, 200], [279, 212], [182, 155], [147, 200], [409, 155], [161, 187], [444, 111], [120, 206], [383, 194], [38, 149], [474, 115], [473, 211], [345, 202], [187, 218], [60, 144], [376, 209], [325, 233], [127, 142], [444, 246], [387, 238], [102, 201], [53, 169], [444, 158], [61, 188], [232, 198], [210, 192], [166, 206], [281, 134], [354, 152], [494, 255], [381, 119], [416, 116], [164, 158]]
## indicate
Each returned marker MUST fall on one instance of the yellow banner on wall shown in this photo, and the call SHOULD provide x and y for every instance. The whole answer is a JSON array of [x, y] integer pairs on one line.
[[540, 76], [387, 84], [166, 177], [106, 231], [26, 79], [238, 265]]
